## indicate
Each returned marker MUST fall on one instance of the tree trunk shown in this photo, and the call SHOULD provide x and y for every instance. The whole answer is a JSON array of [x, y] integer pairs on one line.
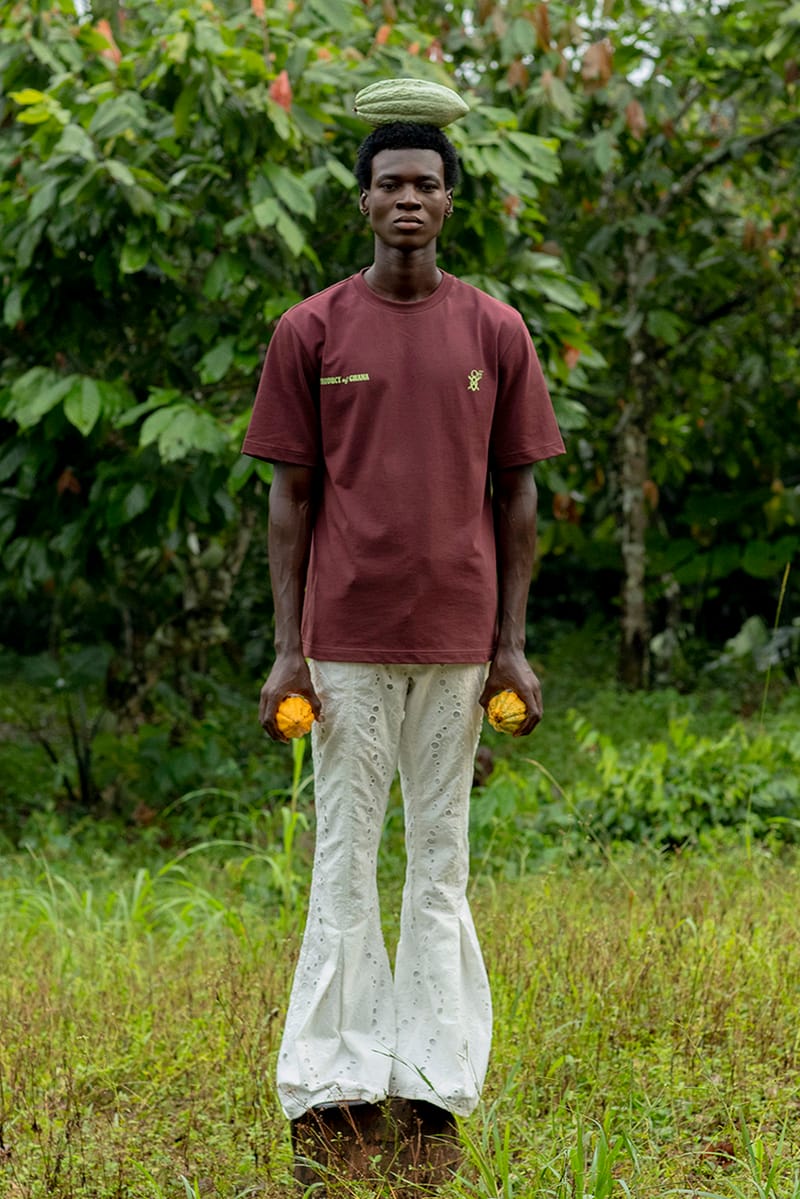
[[635, 632]]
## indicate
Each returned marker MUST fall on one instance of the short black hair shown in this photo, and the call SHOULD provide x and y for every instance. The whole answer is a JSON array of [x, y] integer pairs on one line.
[[406, 135]]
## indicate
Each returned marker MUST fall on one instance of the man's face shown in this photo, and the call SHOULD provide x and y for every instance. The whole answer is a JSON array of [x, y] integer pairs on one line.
[[407, 200]]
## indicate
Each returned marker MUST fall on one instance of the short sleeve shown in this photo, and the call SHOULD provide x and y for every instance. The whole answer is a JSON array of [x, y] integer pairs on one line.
[[524, 429], [284, 425]]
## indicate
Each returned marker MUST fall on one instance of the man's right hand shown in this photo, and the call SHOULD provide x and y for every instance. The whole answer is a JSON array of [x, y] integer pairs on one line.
[[289, 676]]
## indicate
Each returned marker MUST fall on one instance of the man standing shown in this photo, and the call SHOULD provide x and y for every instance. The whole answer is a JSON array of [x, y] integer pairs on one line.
[[403, 409]]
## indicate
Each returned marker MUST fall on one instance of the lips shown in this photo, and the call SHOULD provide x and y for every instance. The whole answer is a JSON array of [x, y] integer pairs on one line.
[[410, 221]]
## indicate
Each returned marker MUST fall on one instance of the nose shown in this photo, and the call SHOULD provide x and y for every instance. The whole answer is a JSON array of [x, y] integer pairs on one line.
[[408, 197]]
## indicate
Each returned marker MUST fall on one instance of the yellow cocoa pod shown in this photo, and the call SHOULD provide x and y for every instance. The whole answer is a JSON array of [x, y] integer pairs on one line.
[[294, 717], [506, 711], [417, 100]]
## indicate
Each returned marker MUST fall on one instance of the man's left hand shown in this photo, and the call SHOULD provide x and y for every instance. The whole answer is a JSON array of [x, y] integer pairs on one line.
[[511, 671]]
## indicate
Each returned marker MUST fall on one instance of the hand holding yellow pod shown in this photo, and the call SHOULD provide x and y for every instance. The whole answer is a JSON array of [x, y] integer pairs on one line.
[[294, 717], [506, 711]]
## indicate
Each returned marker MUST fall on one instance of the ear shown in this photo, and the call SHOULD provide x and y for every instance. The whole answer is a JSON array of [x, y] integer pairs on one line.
[[449, 206], [363, 205]]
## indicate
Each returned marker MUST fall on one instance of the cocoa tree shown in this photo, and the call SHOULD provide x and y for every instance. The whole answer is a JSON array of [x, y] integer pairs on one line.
[[170, 181], [683, 170]]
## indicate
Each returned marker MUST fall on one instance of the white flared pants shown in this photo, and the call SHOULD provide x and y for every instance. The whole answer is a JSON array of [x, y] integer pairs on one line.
[[354, 1032]]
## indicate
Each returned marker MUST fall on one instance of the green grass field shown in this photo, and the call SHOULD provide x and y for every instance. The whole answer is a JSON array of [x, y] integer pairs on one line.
[[647, 1029], [635, 884]]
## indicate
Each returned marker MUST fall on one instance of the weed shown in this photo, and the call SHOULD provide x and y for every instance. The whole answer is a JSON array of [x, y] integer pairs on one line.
[[646, 1015]]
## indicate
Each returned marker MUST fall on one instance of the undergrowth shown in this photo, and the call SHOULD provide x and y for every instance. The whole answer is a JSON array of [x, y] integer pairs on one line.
[[635, 885], [646, 1016]]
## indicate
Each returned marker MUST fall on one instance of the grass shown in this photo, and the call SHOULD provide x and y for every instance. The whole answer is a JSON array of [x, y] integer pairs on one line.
[[647, 1003], [646, 1030]]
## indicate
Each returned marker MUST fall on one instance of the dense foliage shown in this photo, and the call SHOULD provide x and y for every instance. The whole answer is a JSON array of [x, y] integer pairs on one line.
[[645, 1028], [168, 190], [171, 179]]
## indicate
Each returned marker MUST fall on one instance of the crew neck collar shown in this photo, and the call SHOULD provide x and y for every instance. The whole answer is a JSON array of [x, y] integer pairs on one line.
[[436, 297]]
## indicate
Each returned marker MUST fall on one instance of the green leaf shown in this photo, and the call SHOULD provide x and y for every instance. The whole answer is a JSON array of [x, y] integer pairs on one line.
[[36, 393], [561, 98], [158, 398], [266, 212], [603, 146], [180, 430], [290, 233], [279, 119], [12, 458], [83, 404], [540, 154], [12, 308], [226, 270], [341, 173], [158, 422], [134, 257], [118, 170], [71, 193], [763, 559], [178, 46], [86, 667], [336, 14], [37, 114], [136, 501], [241, 471], [791, 14], [44, 199], [664, 325], [215, 364], [751, 636], [29, 95], [120, 115], [291, 190], [184, 107], [28, 243], [75, 141], [560, 292], [45, 55], [571, 414], [520, 38], [778, 44]]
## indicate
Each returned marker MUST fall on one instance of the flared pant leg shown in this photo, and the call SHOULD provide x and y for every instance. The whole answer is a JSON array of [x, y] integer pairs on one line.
[[340, 1025], [352, 1032], [443, 1004]]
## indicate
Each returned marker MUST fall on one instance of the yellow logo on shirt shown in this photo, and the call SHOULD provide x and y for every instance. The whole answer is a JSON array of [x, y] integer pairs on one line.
[[326, 380], [474, 380]]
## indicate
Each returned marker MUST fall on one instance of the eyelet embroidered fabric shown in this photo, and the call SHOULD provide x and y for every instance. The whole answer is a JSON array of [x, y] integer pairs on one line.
[[353, 1030]]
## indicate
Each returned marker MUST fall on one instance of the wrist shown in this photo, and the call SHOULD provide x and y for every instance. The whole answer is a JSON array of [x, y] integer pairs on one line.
[[511, 645], [289, 650]]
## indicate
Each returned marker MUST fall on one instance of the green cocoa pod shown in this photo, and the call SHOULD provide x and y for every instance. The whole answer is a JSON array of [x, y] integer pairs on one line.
[[416, 100]]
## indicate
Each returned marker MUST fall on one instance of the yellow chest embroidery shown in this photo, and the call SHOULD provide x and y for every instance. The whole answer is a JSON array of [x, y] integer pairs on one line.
[[327, 380]]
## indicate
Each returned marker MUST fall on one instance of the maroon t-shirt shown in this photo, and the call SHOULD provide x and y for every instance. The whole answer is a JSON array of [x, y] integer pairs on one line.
[[405, 409]]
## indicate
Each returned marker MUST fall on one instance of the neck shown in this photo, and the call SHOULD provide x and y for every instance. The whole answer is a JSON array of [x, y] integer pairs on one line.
[[403, 275]]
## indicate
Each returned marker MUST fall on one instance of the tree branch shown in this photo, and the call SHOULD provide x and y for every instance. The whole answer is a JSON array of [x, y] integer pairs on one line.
[[736, 146], [694, 94]]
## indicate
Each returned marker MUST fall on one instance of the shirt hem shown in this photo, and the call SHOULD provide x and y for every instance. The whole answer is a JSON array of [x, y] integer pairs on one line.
[[273, 453], [552, 450], [323, 653]]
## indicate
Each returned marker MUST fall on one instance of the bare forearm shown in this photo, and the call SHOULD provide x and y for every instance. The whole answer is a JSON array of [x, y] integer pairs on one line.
[[291, 524], [291, 520], [515, 533], [515, 501]]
